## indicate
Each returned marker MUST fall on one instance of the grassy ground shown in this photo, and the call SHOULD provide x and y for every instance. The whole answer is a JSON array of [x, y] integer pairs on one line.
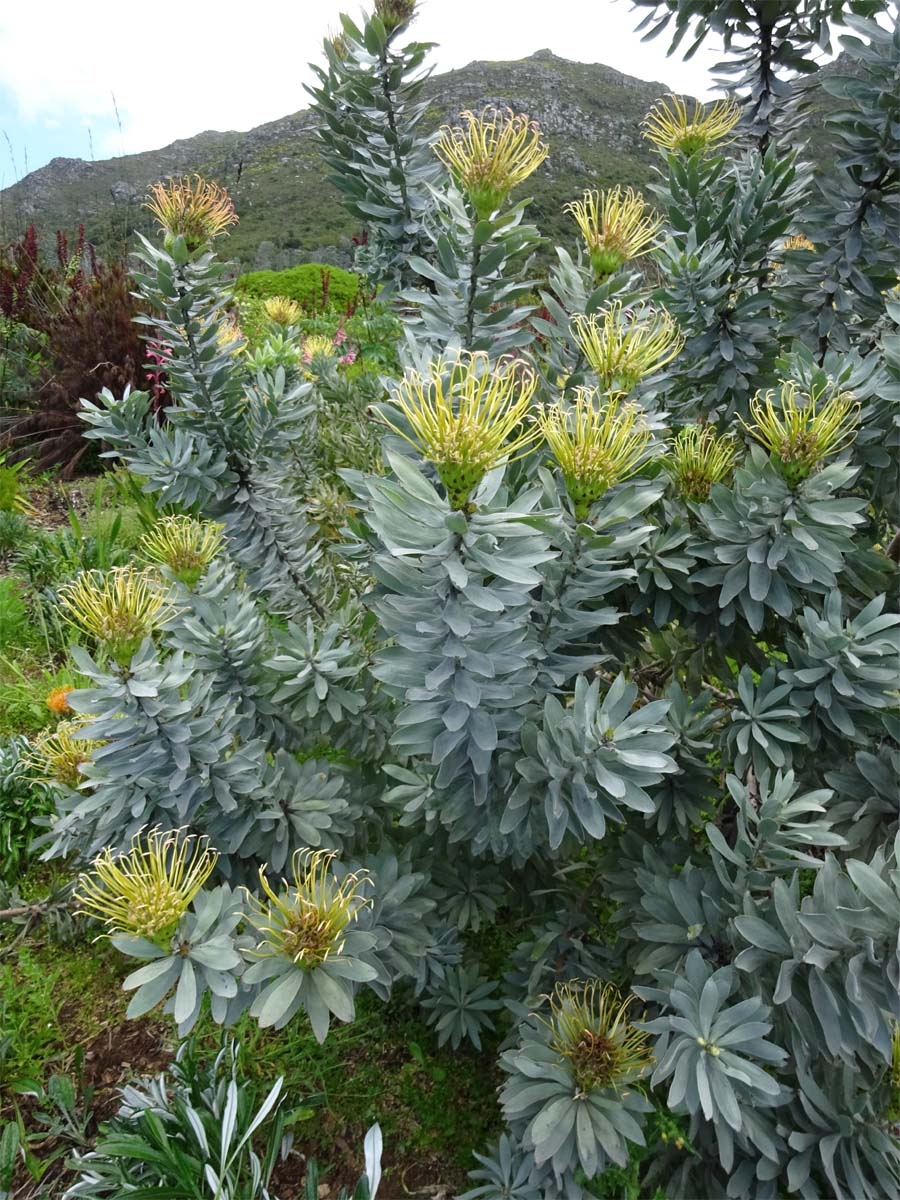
[[62, 997]]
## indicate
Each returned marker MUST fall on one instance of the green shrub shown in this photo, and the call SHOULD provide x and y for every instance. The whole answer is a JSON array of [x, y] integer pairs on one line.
[[21, 801], [318, 288], [14, 631]]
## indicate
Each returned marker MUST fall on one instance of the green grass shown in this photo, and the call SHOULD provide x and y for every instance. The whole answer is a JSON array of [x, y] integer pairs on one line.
[[54, 999], [433, 1105], [24, 684]]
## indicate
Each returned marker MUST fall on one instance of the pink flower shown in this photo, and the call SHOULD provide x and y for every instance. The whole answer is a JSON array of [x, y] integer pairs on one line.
[[349, 357]]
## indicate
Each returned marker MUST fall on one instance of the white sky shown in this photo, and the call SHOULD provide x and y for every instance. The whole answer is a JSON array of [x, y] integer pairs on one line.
[[177, 67]]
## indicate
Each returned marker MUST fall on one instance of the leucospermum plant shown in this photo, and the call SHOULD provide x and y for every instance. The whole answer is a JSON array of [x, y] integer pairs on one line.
[[698, 458], [185, 546], [191, 209], [118, 608], [466, 417], [617, 226], [490, 154], [147, 890], [799, 434], [606, 651], [622, 346], [597, 442], [310, 950], [672, 127]]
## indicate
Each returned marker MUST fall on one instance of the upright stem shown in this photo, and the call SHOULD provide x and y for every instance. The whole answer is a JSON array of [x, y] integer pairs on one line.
[[392, 125], [473, 284]]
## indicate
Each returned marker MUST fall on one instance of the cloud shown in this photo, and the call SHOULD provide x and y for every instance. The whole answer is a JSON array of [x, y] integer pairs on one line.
[[142, 77]]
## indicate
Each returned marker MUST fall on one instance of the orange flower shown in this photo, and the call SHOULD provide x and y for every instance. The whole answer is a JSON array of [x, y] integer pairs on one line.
[[58, 700]]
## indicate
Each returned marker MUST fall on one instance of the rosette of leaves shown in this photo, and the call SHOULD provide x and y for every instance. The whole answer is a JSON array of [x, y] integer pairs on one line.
[[202, 959], [837, 1132], [683, 797], [313, 668], [831, 958], [297, 805], [774, 830], [671, 902], [664, 562], [506, 1171], [569, 1097], [563, 946], [846, 668], [583, 765], [459, 1007], [865, 806], [400, 913], [712, 1049], [310, 953], [765, 724], [470, 893], [771, 545], [224, 631]]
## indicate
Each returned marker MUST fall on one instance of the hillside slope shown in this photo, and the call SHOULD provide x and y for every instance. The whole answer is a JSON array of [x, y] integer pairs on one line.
[[289, 212]]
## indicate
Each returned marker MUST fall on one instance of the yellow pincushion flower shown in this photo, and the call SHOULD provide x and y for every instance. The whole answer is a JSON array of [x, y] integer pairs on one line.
[[184, 545], [698, 459], [282, 310], [669, 126], [800, 435], [467, 417], [191, 208], [590, 1027], [58, 699], [617, 226], [308, 922], [496, 150], [798, 241], [119, 607], [57, 755], [622, 345], [596, 442], [146, 891]]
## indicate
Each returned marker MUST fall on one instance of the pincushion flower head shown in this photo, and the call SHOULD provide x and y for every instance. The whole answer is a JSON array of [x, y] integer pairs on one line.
[[597, 442], [282, 310], [623, 345], [193, 209], [148, 889], [490, 154], [699, 458], [312, 952], [57, 755], [617, 226], [395, 13], [669, 125], [467, 417], [119, 607], [589, 1026], [184, 545], [58, 699], [309, 921], [800, 434]]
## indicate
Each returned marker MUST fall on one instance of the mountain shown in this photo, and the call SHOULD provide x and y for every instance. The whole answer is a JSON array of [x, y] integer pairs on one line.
[[289, 212]]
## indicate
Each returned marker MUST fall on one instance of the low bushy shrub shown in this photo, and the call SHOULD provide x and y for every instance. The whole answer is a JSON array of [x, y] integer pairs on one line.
[[316, 288]]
